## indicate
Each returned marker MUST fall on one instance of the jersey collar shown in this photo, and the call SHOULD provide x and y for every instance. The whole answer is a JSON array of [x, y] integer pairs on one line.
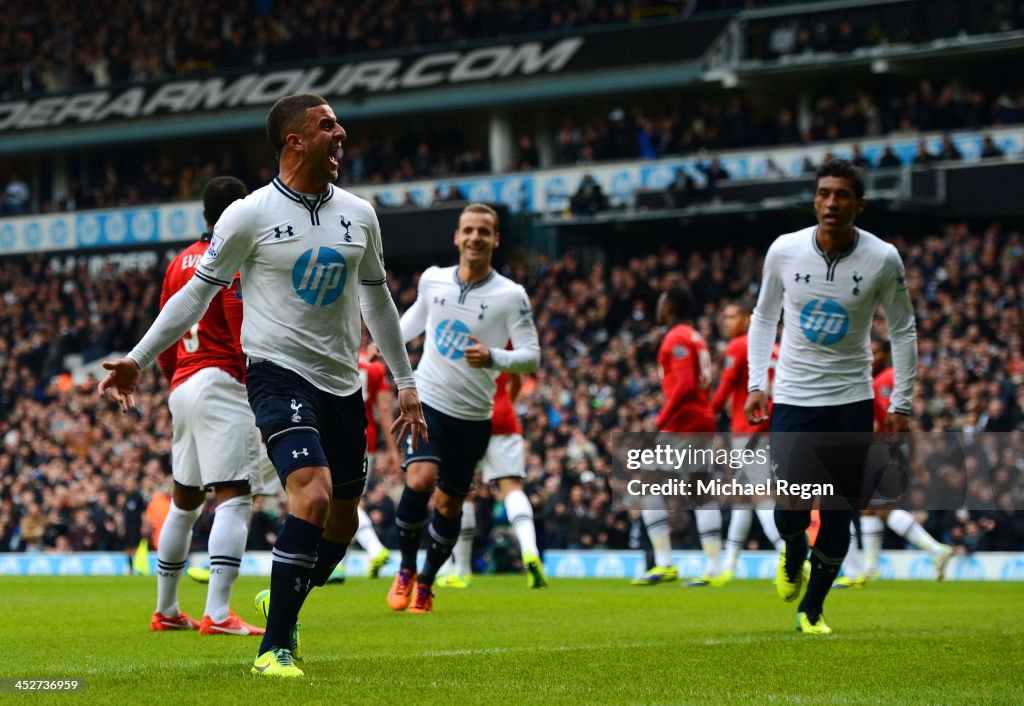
[[311, 203]]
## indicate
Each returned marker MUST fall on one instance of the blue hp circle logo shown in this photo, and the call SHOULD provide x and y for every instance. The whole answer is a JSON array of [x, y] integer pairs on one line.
[[451, 337], [824, 321], [320, 280]]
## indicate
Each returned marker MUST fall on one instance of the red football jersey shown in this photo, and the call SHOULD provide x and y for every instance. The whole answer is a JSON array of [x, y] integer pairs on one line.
[[684, 362], [374, 378], [214, 341], [735, 373], [504, 421], [883, 391]]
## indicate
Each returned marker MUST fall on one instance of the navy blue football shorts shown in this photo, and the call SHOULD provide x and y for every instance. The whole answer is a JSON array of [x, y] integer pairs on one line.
[[456, 446], [826, 446], [304, 426]]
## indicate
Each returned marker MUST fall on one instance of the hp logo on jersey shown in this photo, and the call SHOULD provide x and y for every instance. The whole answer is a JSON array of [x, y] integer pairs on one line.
[[451, 337], [824, 321], [319, 280]]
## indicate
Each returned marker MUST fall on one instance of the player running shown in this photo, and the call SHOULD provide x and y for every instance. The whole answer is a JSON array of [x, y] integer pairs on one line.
[[504, 464], [469, 312]]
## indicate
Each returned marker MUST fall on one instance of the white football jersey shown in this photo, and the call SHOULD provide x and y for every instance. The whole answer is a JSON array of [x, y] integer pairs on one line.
[[828, 307], [302, 259], [493, 311]]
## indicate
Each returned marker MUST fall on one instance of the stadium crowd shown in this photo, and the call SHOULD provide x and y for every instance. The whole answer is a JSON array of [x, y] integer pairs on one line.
[[53, 46], [77, 475], [636, 132]]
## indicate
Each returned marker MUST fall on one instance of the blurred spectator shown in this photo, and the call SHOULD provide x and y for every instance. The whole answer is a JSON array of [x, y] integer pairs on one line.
[[857, 157], [589, 198], [923, 156], [989, 148], [16, 196], [682, 190], [527, 156], [889, 159], [950, 152]]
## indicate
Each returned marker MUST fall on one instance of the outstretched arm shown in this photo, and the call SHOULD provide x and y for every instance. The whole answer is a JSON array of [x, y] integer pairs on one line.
[[181, 312]]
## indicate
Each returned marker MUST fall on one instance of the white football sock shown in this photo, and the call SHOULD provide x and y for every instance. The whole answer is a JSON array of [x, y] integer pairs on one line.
[[871, 533], [462, 554], [227, 545], [736, 537], [520, 514], [656, 522], [903, 523], [171, 554], [366, 535], [709, 525], [766, 516], [851, 564]]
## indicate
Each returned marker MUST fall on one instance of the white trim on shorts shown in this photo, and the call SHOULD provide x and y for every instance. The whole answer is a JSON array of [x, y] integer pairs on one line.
[[215, 434], [504, 458]]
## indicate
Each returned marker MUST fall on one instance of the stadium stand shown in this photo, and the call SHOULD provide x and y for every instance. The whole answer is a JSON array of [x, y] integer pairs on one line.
[[64, 464], [761, 84]]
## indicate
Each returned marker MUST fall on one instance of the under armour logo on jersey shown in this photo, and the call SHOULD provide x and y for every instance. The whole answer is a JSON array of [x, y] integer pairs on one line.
[[483, 308], [345, 224], [439, 300], [301, 586], [856, 283], [283, 230], [296, 453], [295, 408], [802, 278]]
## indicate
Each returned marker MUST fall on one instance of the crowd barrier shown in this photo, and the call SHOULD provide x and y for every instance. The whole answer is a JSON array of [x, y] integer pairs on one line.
[[893, 565]]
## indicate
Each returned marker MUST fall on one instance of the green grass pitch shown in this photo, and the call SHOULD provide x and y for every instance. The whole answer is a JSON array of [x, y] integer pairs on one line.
[[579, 642]]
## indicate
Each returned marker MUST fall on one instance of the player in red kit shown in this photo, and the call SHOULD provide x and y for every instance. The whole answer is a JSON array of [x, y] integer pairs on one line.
[[860, 568], [735, 321], [216, 443], [378, 399], [684, 363]]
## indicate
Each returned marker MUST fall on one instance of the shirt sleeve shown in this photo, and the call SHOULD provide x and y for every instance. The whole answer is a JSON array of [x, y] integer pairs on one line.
[[524, 357], [414, 320], [727, 385], [230, 244], [680, 367], [764, 322], [167, 360], [899, 316], [181, 313], [381, 317], [371, 267], [233, 313]]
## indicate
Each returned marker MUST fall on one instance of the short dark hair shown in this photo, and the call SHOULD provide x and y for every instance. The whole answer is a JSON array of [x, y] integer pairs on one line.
[[219, 193], [287, 114], [680, 298], [745, 305], [882, 343], [842, 169]]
